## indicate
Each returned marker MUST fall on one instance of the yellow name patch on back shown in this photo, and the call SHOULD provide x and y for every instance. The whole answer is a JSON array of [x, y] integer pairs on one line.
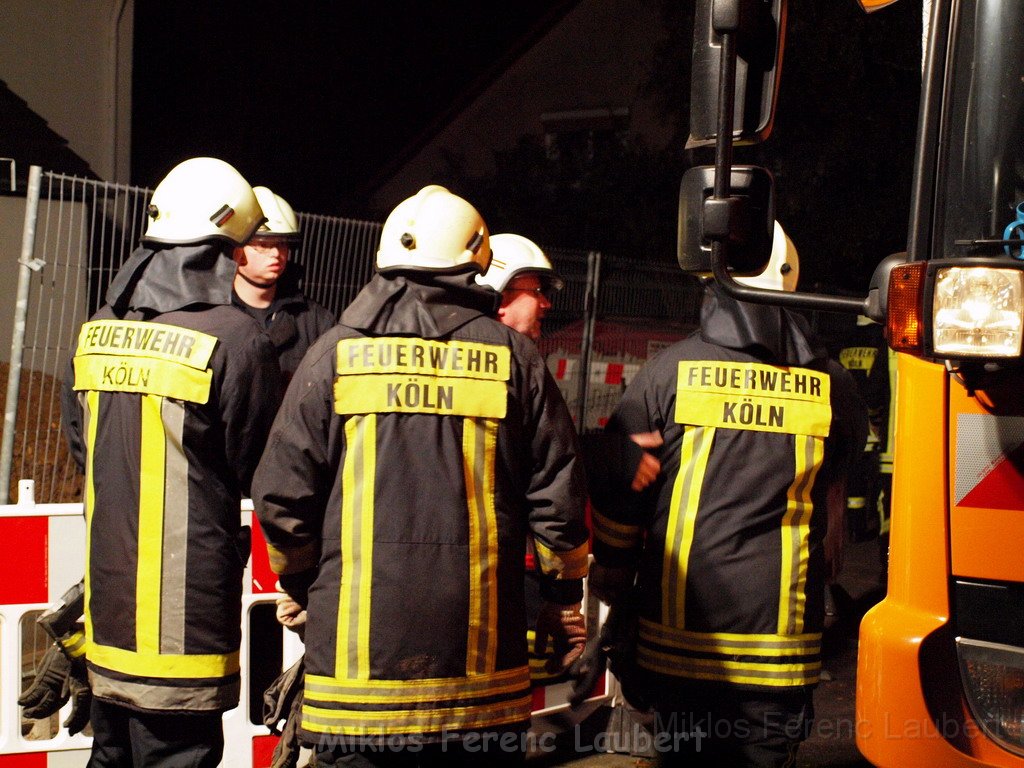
[[753, 396], [458, 359], [140, 339], [437, 395], [858, 358], [405, 375], [144, 358]]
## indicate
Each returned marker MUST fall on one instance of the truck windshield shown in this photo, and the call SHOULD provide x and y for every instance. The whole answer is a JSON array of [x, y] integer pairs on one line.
[[981, 174]]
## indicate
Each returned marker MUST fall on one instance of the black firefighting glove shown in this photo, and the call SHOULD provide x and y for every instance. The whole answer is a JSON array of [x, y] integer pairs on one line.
[[566, 627], [610, 584], [614, 648], [61, 676], [283, 701]]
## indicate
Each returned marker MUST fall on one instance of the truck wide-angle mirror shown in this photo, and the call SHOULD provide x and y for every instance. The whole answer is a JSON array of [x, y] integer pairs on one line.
[[759, 26], [748, 218]]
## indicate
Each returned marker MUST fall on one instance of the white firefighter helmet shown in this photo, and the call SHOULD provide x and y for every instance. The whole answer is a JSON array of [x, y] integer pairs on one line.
[[281, 219], [434, 231], [783, 268], [202, 199], [512, 255]]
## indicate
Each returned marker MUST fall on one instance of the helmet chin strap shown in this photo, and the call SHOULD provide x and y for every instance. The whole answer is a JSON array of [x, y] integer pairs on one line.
[[252, 282]]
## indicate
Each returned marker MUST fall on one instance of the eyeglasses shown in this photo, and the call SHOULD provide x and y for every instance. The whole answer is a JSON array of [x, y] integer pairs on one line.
[[538, 291], [266, 246]]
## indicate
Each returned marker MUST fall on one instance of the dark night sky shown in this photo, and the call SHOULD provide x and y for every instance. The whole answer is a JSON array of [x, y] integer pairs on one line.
[[308, 98]]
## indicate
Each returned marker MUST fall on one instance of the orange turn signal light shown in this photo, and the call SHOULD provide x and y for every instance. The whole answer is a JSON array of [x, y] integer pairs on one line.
[[904, 329]]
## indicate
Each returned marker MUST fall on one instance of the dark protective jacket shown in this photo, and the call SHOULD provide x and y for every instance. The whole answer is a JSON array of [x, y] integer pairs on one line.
[[419, 442], [293, 321], [166, 405], [728, 544]]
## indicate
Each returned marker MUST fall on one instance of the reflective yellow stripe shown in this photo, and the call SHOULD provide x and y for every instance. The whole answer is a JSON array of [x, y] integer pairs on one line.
[[856, 502], [90, 408], [353, 646], [796, 532], [152, 450], [731, 643], [479, 440], [74, 643], [163, 378], [615, 534], [365, 723], [294, 559], [566, 565], [737, 672], [695, 450], [439, 690], [162, 665]]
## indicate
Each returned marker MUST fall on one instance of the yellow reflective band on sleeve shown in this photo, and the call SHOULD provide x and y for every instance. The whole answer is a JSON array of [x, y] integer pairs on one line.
[[409, 356], [565, 565], [140, 339], [614, 534], [74, 643], [143, 375], [163, 665], [858, 358], [796, 534], [444, 396], [753, 396], [293, 559]]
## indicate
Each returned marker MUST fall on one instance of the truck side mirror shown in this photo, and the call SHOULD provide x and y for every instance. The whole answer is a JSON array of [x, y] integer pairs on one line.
[[759, 26], [746, 220]]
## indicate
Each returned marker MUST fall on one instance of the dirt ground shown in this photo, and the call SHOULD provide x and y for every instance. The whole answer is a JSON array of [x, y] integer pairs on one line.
[[40, 450]]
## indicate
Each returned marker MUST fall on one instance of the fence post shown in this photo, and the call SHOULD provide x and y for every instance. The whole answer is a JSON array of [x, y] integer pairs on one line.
[[26, 265], [587, 342]]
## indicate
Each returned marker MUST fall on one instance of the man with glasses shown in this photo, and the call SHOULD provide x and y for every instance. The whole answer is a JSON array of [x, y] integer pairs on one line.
[[523, 275], [267, 285]]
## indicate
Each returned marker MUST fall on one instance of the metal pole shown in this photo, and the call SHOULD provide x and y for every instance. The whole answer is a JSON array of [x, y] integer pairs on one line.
[[26, 265], [587, 342]]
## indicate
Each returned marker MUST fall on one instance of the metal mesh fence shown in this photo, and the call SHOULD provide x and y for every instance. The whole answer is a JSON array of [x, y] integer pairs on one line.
[[85, 229]]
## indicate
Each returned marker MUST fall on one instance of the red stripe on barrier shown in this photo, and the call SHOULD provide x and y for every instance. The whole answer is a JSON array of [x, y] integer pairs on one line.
[[31, 760], [23, 569], [263, 578], [613, 375], [539, 697], [263, 750], [562, 364]]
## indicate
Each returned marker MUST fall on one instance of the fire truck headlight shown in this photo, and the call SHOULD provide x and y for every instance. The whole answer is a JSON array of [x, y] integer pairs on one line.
[[994, 683], [977, 312]]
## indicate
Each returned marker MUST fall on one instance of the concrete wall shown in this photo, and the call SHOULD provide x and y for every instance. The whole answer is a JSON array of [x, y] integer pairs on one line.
[[612, 42], [72, 62]]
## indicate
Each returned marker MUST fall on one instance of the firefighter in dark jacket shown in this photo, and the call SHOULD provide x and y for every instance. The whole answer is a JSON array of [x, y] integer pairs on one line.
[[732, 546], [419, 443], [267, 285], [166, 407]]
